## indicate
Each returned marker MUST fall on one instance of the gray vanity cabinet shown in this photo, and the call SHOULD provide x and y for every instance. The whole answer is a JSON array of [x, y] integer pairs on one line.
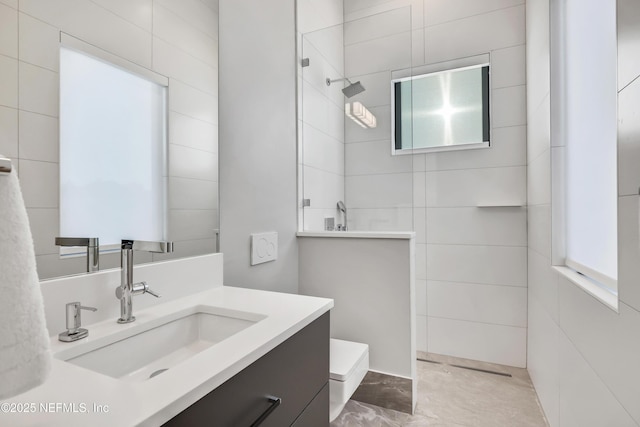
[[296, 372]]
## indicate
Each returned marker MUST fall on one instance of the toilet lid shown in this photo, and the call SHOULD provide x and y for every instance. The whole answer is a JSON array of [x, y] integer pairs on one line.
[[345, 357]]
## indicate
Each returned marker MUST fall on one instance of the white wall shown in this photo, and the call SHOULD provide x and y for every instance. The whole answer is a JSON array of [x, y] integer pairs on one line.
[[320, 110], [471, 263], [177, 41], [258, 139], [582, 356]]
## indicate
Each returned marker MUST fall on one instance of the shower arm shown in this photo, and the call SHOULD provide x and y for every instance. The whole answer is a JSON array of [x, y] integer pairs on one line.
[[329, 81]]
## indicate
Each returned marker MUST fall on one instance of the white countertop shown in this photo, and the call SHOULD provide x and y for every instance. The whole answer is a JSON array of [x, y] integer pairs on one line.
[[155, 401], [359, 234]]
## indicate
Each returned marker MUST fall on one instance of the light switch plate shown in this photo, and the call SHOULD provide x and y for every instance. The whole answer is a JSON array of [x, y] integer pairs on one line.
[[264, 247]]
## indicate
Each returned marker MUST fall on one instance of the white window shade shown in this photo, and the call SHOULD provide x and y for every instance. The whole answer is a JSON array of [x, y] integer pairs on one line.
[[591, 133], [112, 151]]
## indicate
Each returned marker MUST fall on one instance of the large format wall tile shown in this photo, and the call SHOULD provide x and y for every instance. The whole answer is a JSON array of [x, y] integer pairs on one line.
[[492, 265], [498, 305], [474, 35], [505, 345], [477, 226]]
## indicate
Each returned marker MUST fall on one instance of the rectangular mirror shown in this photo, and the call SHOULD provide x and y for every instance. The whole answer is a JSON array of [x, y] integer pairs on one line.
[[113, 174], [440, 111]]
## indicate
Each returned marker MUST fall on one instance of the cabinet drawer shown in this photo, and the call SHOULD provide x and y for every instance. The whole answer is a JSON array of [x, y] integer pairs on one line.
[[295, 371], [316, 414]]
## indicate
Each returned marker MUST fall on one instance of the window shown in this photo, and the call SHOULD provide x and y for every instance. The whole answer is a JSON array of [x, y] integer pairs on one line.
[[112, 149], [441, 111], [588, 102]]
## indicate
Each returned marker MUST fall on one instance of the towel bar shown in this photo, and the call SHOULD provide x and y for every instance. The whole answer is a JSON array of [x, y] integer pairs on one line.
[[5, 165]]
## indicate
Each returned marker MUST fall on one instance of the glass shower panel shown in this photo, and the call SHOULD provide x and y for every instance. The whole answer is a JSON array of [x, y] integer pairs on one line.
[[379, 187], [321, 126]]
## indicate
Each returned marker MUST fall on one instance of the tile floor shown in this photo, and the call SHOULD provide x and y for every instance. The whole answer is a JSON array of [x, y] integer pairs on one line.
[[455, 397]]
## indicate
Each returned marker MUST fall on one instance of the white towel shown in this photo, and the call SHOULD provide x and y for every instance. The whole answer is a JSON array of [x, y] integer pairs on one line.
[[25, 357]]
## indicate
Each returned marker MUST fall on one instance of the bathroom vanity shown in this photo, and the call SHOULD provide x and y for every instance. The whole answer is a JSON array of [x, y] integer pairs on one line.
[[286, 387], [204, 354]]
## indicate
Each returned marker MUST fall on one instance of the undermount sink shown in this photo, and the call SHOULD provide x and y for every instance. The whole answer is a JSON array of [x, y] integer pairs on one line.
[[151, 348]]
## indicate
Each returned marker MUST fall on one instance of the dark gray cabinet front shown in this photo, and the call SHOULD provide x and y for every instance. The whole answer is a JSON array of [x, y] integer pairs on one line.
[[296, 372]]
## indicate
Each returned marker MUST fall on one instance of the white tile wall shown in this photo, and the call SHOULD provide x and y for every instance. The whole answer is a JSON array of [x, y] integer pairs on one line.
[[505, 345], [8, 31], [508, 148], [322, 151], [581, 354], [477, 250], [184, 34], [509, 106], [629, 250], [437, 12], [477, 226], [9, 131], [585, 399], [93, 24], [8, 81], [540, 129], [40, 184], [38, 137], [543, 358], [366, 158], [39, 43], [321, 113], [320, 68], [543, 283], [539, 229], [192, 163], [329, 42], [385, 53], [174, 62], [474, 35], [539, 189], [186, 193], [508, 67], [628, 134], [628, 60], [473, 187], [38, 89], [29, 64], [194, 133], [379, 191], [605, 339], [383, 219], [12, 3], [491, 265], [323, 188], [194, 12], [193, 102], [314, 15], [378, 25], [45, 226], [498, 305]]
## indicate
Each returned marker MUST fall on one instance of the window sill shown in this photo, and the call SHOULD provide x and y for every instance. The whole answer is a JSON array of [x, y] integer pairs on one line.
[[607, 298]]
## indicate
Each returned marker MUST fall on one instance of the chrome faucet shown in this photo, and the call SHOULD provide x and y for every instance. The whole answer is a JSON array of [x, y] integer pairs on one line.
[[128, 289], [93, 249]]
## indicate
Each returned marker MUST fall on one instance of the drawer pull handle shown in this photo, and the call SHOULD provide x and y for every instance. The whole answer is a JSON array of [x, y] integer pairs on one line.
[[275, 402]]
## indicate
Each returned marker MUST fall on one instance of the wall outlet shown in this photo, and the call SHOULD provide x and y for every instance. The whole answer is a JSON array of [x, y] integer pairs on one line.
[[264, 247]]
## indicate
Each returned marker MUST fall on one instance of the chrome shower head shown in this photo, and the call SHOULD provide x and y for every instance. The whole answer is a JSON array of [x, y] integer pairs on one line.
[[341, 207], [351, 90]]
